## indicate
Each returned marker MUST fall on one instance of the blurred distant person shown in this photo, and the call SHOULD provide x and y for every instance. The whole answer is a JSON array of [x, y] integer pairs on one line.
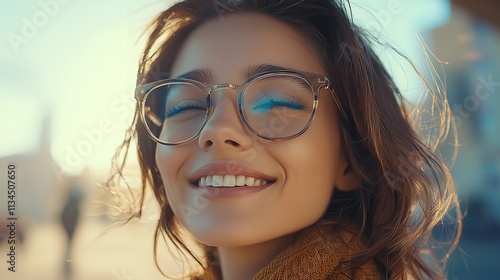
[[70, 216]]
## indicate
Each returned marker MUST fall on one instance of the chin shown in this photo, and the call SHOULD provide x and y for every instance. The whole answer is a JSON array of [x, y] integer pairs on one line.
[[227, 236]]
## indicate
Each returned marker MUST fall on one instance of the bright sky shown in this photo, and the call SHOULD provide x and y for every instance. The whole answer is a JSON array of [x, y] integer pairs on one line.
[[76, 61]]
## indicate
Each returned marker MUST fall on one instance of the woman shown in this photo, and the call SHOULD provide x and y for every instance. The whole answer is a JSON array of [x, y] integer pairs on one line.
[[272, 133]]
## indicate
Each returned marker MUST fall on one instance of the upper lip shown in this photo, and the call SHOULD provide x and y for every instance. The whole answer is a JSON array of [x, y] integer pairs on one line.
[[231, 168]]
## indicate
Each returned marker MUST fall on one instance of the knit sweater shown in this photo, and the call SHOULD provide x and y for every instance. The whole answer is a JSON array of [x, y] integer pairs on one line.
[[317, 255]]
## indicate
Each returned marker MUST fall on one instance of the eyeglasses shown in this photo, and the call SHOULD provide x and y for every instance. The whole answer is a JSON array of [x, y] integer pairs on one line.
[[274, 105]]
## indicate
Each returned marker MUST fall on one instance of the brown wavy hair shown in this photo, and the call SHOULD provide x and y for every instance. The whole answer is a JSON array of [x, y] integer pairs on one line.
[[406, 189]]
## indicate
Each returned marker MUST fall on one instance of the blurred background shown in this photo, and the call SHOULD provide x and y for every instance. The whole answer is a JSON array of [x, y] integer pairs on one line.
[[67, 75]]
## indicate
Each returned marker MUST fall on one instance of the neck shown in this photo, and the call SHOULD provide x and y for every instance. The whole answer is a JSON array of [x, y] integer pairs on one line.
[[243, 263]]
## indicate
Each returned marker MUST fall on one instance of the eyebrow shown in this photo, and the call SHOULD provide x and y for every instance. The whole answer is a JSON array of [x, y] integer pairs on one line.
[[201, 74], [259, 68], [205, 75]]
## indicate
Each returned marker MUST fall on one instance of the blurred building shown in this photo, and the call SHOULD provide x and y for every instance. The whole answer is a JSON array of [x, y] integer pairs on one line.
[[485, 9], [38, 182], [470, 47]]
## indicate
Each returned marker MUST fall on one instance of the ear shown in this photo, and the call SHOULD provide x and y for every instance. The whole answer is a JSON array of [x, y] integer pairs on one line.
[[346, 177]]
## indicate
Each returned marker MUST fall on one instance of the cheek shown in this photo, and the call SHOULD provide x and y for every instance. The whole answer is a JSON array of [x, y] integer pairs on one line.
[[313, 168], [309, 179], [312, 163], [169, 161]]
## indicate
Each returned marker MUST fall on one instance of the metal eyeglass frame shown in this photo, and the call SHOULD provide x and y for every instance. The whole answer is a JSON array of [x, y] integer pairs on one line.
[[315, 81]]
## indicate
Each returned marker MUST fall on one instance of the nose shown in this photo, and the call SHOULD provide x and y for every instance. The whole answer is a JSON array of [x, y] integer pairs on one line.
[[224, 129]]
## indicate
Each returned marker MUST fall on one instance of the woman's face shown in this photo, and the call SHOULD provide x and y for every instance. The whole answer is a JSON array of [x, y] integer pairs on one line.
[[302, 173]]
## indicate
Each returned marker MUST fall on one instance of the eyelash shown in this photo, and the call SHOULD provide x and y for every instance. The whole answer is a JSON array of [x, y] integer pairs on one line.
[[282, 101], [182, 106]]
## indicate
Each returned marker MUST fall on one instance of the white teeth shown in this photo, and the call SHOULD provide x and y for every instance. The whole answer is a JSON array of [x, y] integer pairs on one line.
[[208, 181], [240, 180], [202, 181], [230, 181], [218, 181], [249, 181]]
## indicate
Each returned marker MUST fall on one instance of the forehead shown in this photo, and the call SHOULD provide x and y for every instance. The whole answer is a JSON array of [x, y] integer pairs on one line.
[[228, 45]]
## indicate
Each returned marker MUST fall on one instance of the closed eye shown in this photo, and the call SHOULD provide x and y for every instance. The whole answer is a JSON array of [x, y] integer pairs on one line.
[[184, 106], [269, 103]]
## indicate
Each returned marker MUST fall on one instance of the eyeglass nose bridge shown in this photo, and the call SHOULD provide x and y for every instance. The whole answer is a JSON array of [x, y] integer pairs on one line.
[[222, 86], [217, 87], [210, 103]]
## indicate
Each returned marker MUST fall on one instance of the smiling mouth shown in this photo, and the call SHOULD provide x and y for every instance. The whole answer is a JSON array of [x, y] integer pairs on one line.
[[231, 181]]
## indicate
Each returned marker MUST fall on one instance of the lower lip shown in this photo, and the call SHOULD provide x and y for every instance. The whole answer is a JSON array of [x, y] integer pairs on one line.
[[221, 192]]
